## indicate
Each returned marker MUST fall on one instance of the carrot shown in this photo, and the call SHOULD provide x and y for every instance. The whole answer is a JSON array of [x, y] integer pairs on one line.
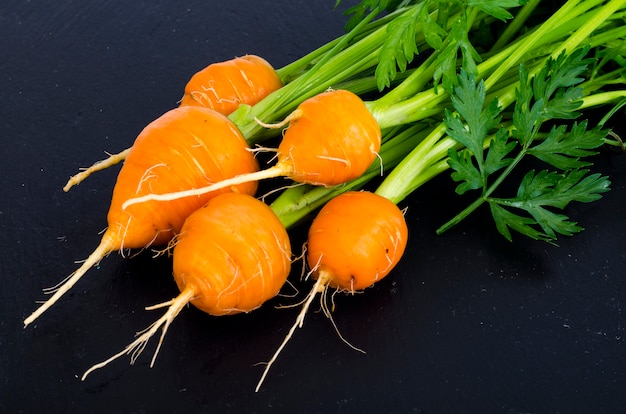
[[331, 138], [231, 256], [186, 147], [221, 86], [225, 85], [355, 240]]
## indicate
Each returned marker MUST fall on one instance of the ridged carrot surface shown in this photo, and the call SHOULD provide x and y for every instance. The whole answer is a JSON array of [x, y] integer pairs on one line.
[[223, 86]]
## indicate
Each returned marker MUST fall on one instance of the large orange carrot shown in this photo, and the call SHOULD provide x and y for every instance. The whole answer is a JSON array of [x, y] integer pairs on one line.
[[356, 239], [221, 86], [186, 147], [225, 85], [231, 256], [332, 138]]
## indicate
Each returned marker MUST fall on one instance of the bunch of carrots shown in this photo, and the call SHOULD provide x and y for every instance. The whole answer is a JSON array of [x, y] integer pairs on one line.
[[412, 89]]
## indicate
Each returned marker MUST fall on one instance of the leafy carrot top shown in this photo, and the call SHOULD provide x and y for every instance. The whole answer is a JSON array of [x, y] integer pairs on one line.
[[552, 94]]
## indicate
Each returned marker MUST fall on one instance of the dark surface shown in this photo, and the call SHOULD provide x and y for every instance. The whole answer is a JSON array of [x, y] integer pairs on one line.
[[466, 323]]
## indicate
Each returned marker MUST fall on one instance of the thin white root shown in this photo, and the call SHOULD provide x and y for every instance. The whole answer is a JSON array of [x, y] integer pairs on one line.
[[135, 348], [97, 166], [320, 286], [328, 313], [260, 148], [292, 116], [272, 172], [382, 167], [102, 250], [278, 189], [160, 305], [295, 293]]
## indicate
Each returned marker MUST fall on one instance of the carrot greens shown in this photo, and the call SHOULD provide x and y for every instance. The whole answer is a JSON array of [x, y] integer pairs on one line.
[[551, 94], [550, 67]]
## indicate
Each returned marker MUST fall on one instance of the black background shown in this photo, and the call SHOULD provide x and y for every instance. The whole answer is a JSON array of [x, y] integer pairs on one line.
[[468, 322]]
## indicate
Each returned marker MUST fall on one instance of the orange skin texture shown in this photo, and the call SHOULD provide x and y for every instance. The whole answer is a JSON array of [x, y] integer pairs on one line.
[[356, 239], [223, 86], [186, 147], [333, 139], [234, 253]]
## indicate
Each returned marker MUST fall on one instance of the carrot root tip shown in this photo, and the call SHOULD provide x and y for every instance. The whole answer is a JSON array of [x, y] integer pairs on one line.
[[298, 324], [135, 348], [64, 286], [97, 166]]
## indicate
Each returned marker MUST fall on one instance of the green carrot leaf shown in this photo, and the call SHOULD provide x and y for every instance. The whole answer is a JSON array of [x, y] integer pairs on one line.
[[549, 188], [464, 171], [546, 189], [506, 221], [357, 12], [551, 93], [399, 48], [496, 8], [499, 148], [469, 101], [447, 60], [434, 34], [562, 72], [565, 150]]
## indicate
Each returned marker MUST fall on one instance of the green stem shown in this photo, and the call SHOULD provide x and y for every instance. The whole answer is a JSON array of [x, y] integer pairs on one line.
[[533, 40], [602, 98], [461, 216], [513, 27], [348, 61], [602, 15], [292, 70]]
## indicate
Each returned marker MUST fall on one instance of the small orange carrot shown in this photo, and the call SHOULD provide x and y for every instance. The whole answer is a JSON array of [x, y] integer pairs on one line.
[[186, 147], [332, 138], [356, 239], [221, 86], [225, 85], [231, 256]]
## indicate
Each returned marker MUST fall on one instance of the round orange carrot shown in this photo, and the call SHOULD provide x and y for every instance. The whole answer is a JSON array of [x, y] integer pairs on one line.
[[234, 254], [186, 147], [231, 256], [356, 239], [223, 86], [332, 138]]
